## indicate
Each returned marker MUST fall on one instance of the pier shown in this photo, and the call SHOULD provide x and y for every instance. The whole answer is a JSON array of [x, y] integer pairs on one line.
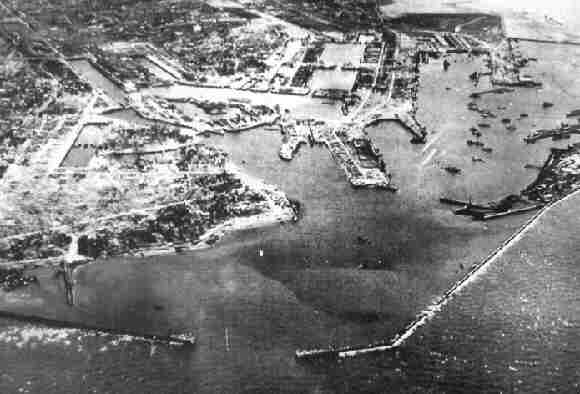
[[407, 121], [451, 201], [290, 147], [357, 176], [333, 354]]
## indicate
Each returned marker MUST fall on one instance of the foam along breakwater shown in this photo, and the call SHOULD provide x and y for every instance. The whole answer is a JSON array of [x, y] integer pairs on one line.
[[171, 339], [431, 311]]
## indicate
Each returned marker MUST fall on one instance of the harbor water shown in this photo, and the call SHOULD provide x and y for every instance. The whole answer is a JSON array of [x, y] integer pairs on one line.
[[357, 267]]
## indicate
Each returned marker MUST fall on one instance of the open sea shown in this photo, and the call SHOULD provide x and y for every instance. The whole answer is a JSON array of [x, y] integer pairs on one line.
[[514, 330]]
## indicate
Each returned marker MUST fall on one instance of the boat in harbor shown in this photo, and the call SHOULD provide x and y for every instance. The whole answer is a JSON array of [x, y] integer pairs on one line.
[[547, 104], [452, 170], [474, 143]]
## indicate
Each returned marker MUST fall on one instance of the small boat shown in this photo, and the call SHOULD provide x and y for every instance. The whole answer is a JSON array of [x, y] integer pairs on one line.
[[473, 129], [476, 159], [484, 125], [474, 143], [511, 128], [452, 170], [476, 133], [487, 149], [524, 115], [362, 240], [547, 104], [506, 120]]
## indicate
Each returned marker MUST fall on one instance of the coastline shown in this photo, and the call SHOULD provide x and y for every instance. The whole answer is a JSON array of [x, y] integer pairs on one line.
[[279, 211], [27, 303], [518, 23]]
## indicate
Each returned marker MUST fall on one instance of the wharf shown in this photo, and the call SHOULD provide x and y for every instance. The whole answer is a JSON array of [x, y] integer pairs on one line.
[[267, 121], [150, 110], [290, 147], [408, 121], [358, 177]]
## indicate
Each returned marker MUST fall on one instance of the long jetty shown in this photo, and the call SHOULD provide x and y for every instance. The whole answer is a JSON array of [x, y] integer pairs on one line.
[[452, 201], [509, 212], [178, 339], [486, 212], [430, 312]]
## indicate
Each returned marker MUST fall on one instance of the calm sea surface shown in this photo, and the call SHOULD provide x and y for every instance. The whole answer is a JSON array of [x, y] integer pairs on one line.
[[516, 329]]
